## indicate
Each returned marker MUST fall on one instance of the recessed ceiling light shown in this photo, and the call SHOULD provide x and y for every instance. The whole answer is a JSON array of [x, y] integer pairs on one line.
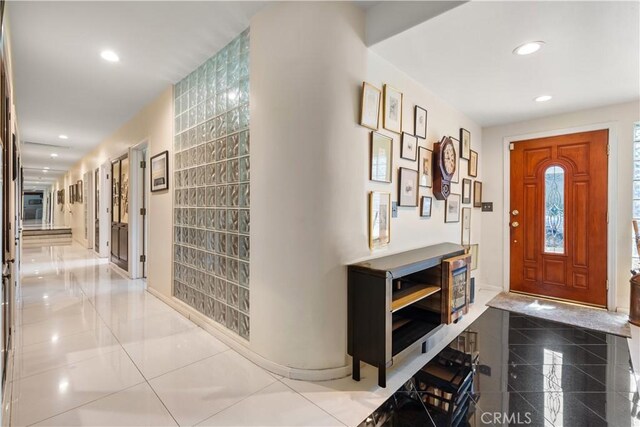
[[543, 98], [63, 137], [109, 55], [54, 155], [528, 48], [46, 167], [44, 171]]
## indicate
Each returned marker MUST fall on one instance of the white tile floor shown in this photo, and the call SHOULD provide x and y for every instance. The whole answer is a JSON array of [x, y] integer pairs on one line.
[[94, 348]]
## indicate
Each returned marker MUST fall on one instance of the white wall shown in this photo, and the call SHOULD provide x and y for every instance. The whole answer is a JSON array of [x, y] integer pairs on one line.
[[153, 123], [623, 116], [309, 184]]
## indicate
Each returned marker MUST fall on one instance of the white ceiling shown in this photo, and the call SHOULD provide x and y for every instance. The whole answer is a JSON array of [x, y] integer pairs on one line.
[[62, 86], [591, 57]]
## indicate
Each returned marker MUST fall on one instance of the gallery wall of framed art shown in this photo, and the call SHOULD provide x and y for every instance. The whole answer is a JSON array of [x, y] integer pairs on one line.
[[400, 123]]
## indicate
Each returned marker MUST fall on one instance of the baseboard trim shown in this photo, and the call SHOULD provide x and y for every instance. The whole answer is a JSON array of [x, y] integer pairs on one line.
[[241, 346]]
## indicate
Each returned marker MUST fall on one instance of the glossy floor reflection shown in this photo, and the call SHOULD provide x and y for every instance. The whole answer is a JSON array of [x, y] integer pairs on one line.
[[94, 348], [522, 371]]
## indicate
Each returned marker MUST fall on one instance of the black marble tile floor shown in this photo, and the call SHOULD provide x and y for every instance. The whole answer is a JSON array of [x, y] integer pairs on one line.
[[522, 371]]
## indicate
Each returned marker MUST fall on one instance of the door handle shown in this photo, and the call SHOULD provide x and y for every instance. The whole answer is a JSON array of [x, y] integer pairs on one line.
[[515, 224]]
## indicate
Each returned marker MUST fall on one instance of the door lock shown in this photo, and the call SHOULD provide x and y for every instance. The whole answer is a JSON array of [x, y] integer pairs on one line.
[[515, 212], [515, 224]]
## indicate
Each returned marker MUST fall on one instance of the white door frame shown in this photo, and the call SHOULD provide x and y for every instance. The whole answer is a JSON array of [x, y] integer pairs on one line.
[[104, 216], [137, 201], [612, 260], [87, 195]]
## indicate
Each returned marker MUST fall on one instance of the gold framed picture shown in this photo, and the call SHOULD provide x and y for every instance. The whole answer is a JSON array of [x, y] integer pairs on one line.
[[370, 106], [473, 163], [465, 144], [477, 194], [381, 160], [392, 114], [425, 157], [379, 219]]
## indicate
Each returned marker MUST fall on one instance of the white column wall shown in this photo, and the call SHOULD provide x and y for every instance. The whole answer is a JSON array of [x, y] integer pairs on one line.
[[309, 183]]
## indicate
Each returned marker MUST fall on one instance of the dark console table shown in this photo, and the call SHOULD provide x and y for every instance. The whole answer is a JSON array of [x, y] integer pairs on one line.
[[401, 299]]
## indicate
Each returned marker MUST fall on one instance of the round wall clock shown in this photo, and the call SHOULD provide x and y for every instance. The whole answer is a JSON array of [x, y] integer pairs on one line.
[[444, 166]]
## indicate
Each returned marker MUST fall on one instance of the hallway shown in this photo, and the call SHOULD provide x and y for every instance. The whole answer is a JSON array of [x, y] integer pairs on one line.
[[94, 348]]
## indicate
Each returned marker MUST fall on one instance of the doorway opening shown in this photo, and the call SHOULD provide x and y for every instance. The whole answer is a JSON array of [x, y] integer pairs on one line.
[[120, 212], [558, 217], [33, 208]]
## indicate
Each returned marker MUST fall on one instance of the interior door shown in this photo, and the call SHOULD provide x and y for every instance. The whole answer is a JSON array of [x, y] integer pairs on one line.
[[559, 217], [120, 212]]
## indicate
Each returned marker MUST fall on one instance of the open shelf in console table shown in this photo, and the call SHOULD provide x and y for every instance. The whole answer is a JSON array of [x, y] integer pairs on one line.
[[402, 299]]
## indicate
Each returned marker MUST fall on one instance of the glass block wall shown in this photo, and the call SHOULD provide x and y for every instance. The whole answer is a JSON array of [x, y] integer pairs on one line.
[[211, 185]]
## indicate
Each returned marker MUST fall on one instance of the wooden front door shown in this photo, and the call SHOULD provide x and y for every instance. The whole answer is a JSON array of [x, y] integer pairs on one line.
[[559, 217]]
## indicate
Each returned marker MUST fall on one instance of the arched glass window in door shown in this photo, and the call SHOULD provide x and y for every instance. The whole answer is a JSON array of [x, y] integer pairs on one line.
[[554, 210]]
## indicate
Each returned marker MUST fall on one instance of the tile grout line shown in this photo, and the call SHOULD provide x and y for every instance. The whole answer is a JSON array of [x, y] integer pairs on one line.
[[85, 403], [130, 358], [101, 397], [234, 404], [310, 401]]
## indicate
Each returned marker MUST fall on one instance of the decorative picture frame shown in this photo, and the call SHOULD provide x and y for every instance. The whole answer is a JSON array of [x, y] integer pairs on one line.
[[407, 187], [420, 122], [425, 206], [477, 194], [79, 191], [455, 179], [466, 226], [473, 164], [72, 193], [466, 191], [425, 167], [159, 171], [452, 208], [392, 109], [379, 219], [409, 146], [370, 106], [465, 144], [380, 158]]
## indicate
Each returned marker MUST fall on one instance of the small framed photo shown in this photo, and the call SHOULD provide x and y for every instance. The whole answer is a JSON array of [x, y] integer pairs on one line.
[[420, 122], [456, 147], [409, 146], [408, 187], [425, 159], [392, 114], [466, 226], [473, 164], [160, 171], [370, 108], [79, 191], [452, 208], [381, 157], [425, 207], [379, 219], [466, 191], [477, 194], [465, 144], [72, 193]]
